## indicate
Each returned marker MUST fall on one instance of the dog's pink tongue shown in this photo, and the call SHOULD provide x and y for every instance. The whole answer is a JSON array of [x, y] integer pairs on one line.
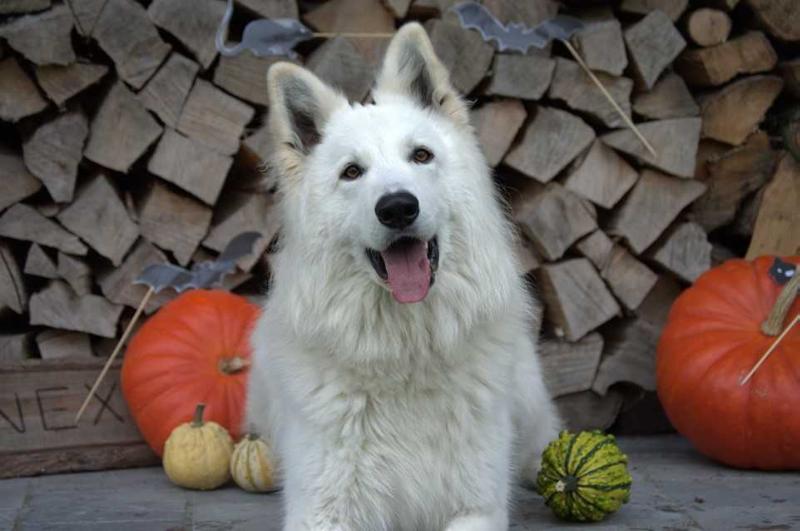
[[409, 271]]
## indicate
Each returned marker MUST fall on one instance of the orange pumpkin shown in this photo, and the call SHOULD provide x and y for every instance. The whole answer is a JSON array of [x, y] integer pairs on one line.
[[195, 349], [716, 332]]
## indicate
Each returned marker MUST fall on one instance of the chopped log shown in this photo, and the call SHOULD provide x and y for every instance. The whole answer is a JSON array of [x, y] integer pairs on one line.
[[190, 165], [39, 264], [781, 18], [684, 250], [41, 398], [76, 272], [399, 8], [750, 53], [463, 52], [14, 347], [271, 8], [630, 350], [193, 22], [360, 16], [589, 411], [173, 222], [675, 141], [601, 176], [60, 83], [214, 118], [730, 177], [43, 38], [520, 76], [23, 6], [572, 85], [554, 219], [53, 152], [244, 76], [527, 256], [653, 43], [745, 219], [790, 71], [652, 205], [670, 98], [19, 97], [258, 146], [708, 151], [117, 283], [60, 344], [570, 367], [497, 124], [601, 46], [241, 213], [550, 142], [58, 306], [12, 287], [165, 94], [577, 300], [99, 217], [17, 182], [776, 230], [121, 131], [629, 279], [597, 248], [126, 34], [732, 113], [339, 63], [673, 8], [708, 27], [23, 222]]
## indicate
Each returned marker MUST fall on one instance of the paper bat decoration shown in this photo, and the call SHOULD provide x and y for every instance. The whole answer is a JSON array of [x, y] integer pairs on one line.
[[202, 274], [782, 272], [515, 36], [264, 36]]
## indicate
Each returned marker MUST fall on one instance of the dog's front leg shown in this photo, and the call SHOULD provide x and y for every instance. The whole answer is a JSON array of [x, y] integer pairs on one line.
[[495, 521]]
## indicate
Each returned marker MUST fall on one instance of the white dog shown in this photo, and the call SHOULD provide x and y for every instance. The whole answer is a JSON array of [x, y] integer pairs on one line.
[[386, 415]]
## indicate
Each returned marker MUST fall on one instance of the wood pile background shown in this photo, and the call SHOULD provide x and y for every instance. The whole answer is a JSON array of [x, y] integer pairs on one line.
[[125, 140]]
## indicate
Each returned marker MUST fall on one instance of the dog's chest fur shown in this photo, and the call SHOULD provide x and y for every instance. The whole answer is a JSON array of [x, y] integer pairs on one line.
[[406, 434]]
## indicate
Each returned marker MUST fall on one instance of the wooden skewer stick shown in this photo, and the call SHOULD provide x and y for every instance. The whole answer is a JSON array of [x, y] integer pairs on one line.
[[354, 35], [770, 350], [610, 99], [115, 352]]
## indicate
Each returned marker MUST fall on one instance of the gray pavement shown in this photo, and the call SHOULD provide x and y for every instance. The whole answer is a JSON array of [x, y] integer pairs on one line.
[[674, 488]]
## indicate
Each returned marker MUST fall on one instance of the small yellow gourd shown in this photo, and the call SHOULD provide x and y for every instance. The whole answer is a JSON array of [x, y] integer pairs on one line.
[[197, 454], [253, 465]]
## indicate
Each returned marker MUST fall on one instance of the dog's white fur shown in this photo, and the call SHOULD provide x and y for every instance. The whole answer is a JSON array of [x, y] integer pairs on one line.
[[393, 417]]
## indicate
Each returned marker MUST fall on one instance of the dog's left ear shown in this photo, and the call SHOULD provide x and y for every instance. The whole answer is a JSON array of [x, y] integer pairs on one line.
[[411, 69]]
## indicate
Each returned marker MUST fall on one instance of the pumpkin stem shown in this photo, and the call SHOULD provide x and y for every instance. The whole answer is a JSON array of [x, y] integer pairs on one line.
[[197, 421], [773, 324], [233, 364]]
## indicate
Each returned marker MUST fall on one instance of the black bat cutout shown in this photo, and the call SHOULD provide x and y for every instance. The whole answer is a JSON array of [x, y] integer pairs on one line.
[[782, 272], [264, 36], [202, 274], [515, 36]]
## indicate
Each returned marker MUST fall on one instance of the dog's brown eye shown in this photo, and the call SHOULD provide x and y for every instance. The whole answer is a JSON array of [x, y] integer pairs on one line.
[[351, 172], [422, 156]]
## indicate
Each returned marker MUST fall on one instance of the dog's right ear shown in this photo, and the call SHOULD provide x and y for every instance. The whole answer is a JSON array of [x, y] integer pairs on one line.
[[299, 106]]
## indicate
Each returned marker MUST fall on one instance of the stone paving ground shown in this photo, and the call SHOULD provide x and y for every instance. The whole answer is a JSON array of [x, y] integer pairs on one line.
[[674, 488]]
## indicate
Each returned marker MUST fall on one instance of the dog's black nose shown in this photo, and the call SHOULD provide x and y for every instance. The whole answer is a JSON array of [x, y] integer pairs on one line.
[[397, 210]]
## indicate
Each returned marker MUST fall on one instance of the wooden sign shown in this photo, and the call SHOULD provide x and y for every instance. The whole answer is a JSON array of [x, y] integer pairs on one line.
[[38, 435]]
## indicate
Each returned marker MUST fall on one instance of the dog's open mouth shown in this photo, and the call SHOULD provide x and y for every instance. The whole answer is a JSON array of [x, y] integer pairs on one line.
[[408, 266]]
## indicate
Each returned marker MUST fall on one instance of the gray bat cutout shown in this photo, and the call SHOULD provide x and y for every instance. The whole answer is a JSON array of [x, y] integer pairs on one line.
[[203, 274], [264, 36], [515, 36]]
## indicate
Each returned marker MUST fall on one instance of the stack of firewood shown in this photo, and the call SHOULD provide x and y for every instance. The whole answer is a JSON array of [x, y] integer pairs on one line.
[[125, 140]]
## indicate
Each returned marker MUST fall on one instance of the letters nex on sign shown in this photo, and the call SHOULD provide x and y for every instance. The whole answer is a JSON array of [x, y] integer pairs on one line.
[[38, 401]]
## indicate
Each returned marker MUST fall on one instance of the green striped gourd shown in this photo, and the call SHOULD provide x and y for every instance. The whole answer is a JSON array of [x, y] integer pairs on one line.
[[253, 465], [584, 476]]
